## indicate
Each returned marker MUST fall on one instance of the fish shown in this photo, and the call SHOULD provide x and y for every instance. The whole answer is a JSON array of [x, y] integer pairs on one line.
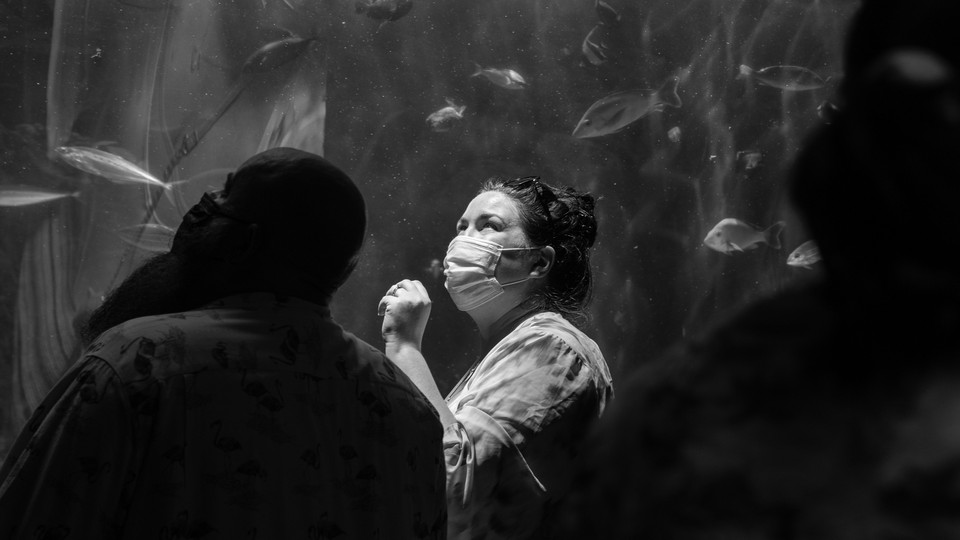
[[107, 165], [827, 111], [749, 158], [441, 120], [151, 237], [275, 54], [435, 268], [732, 235], [594, 49], [504, 78], [805, 256], [384, 10], [674, 134], [616, 111], [607, 15], [20, 195], [789, 78]]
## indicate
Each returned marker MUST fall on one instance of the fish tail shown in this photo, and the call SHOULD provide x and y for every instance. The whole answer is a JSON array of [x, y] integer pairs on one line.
[[745, 71], [772, 234], [477, 70], [668, 93]]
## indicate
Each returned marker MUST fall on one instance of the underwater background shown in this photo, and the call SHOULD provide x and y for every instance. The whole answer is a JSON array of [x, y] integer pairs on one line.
[[188, 89]]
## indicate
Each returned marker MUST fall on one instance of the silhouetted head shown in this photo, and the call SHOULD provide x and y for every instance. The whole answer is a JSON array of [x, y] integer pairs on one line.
[[563, 218], [285, 214], [879, 185], [287, 222]]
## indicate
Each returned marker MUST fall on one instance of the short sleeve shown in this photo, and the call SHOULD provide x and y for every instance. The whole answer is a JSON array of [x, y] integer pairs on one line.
[[533, 386], [71, 451]]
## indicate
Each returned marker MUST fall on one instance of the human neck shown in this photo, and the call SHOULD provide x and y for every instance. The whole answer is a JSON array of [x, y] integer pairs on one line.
[[494, 328]]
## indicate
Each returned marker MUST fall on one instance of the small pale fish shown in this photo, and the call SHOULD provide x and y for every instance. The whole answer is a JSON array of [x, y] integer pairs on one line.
[[749, 159], [20, 195], [384, 10], [607, 15], [443, 119], [732, 235], [435, 268], [805, 256], [107, 165], [504, 78], [789, 78], [594, 49], [612, 113], [150, 237], [674, 134], [275, 54]]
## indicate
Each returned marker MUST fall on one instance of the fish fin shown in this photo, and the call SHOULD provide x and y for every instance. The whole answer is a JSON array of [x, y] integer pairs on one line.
[[734, 247], [745, 71], [382, 24], [668, 93], [772, 234]]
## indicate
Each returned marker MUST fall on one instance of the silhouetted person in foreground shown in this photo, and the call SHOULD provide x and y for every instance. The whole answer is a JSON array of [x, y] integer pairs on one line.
[[830, 411], [218, 397]]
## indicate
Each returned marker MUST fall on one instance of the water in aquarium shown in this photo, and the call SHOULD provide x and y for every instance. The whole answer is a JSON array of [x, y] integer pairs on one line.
[[682, 118]]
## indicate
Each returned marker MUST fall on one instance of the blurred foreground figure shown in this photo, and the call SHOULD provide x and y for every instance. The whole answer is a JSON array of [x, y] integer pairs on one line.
[[833, 411], [219, 399]]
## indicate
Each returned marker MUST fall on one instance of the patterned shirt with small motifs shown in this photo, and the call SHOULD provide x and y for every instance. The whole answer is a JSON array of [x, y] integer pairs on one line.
[[252, 417]]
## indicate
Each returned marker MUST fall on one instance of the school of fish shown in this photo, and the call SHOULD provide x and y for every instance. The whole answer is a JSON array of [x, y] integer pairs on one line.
[[607, 115]]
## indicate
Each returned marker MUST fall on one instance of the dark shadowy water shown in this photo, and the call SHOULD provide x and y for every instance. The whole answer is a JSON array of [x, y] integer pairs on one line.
[[146, 78]]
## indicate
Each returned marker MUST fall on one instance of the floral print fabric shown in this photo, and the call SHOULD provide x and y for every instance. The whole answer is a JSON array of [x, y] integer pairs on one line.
[[253, 417], [521, 413]]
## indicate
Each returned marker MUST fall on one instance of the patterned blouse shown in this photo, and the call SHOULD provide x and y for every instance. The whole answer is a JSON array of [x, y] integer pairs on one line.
[[521, 411], [253, 417]]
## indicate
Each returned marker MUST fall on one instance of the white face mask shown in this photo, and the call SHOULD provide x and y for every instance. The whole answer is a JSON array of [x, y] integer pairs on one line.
[[470, 267]]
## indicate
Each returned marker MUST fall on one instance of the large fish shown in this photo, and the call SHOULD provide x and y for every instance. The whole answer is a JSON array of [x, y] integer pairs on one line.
[[612, 113], [732, 235], [790, 78], [106, 165], [504, 78], [20, 195]]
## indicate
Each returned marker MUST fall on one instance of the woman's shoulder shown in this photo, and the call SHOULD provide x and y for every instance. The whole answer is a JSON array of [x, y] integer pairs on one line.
[[552, 325]]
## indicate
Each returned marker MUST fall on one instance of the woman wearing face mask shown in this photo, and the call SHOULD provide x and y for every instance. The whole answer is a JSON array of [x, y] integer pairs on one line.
[[519, 266]]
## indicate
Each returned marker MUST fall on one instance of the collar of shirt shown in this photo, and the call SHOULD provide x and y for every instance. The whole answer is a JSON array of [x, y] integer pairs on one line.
[[258, 301]]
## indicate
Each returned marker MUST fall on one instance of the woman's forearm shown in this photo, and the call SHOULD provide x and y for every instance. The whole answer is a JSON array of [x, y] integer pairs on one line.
[[409, 358]]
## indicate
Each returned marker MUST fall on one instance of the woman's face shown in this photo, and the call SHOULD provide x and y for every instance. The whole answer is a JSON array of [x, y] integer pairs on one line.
[[495, 217]]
